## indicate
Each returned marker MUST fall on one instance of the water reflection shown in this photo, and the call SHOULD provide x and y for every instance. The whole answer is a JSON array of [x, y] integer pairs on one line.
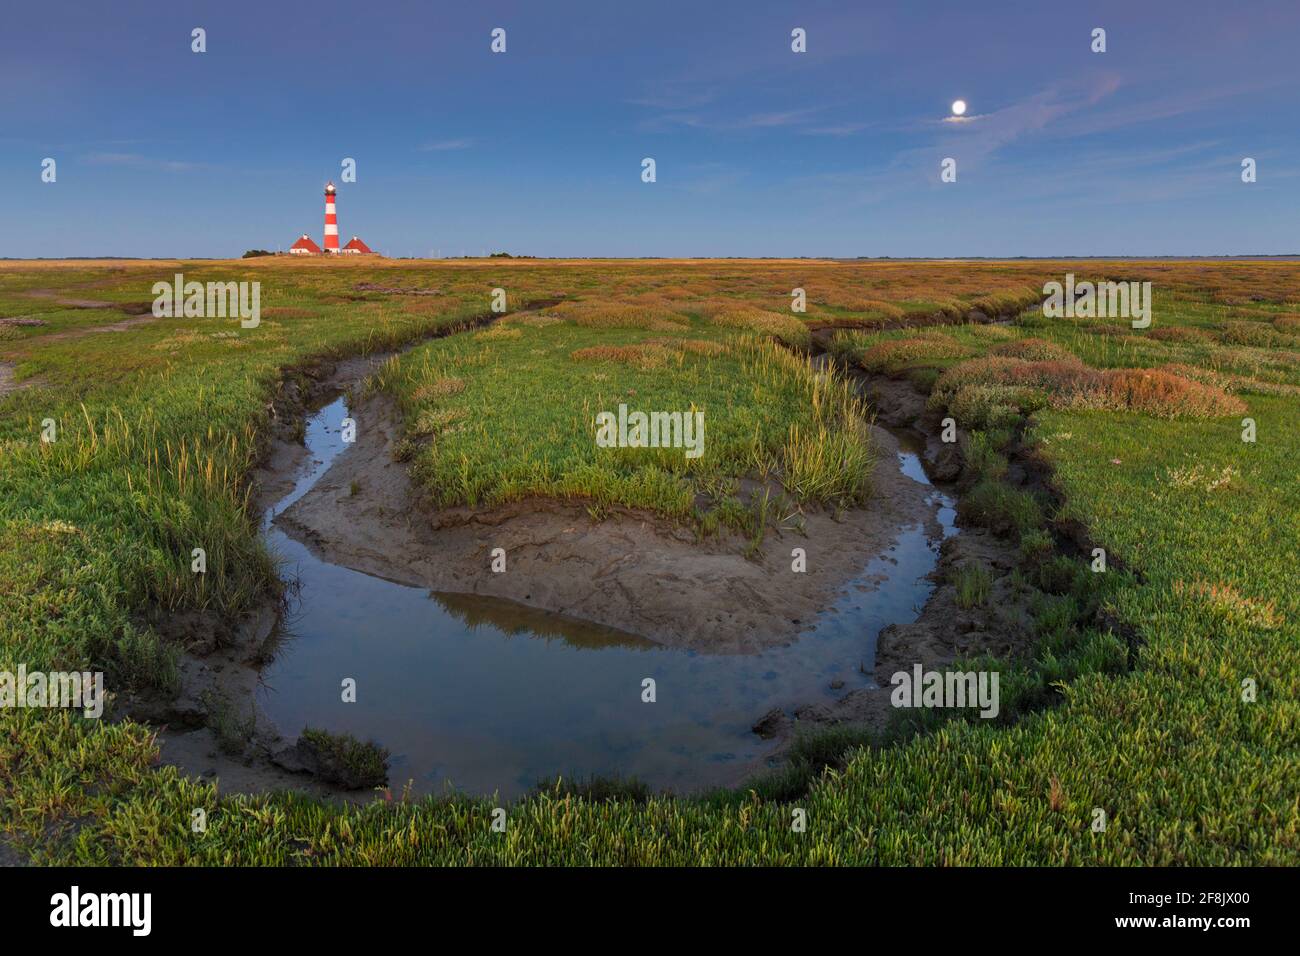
[[486, 695]]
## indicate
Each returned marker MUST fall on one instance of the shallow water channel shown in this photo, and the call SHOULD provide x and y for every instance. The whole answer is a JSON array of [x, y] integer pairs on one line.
[[484, 695]]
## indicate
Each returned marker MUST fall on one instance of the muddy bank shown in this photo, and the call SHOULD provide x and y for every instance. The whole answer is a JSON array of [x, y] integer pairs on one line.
[[631, 571], [9, 856], [493, 696], [945, 630], [214, 728], [122, 325]]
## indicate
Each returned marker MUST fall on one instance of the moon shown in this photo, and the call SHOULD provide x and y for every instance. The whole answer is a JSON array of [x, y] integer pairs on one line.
[[958, 107]]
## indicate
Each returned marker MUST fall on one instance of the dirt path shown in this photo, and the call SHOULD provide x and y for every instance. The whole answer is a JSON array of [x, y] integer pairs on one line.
[[7, 383], [121, 326], [137, 319], [59, 299]]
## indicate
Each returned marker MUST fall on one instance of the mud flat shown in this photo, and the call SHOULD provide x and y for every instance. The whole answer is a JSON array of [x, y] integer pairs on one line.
[[632, 572], [494, 695]]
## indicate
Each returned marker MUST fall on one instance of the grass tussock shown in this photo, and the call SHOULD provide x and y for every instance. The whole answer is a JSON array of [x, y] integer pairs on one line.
[[1034, 350], [783, 326], [1222, 601], [974, 585], [991, 333], [1230, 382], [615, 315], [694, 346], [439, 388], [643, 356], [1180, 334], [343, 760], [1071, 384], [1256, 335], [498, 332], [895, 354], [1161, 394]]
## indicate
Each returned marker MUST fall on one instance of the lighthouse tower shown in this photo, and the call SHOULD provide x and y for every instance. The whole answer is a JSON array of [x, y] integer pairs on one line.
[[331, 221]]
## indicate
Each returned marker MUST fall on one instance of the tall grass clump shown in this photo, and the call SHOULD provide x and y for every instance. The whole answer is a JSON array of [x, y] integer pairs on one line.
[[827, 457], [782, 325], [893, 354], [1071, 384]]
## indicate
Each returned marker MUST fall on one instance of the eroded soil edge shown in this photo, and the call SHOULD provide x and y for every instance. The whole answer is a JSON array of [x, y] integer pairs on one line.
[[948, 629]]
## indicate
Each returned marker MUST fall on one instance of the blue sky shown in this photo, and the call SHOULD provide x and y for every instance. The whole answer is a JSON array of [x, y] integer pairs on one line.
[[759, 151]]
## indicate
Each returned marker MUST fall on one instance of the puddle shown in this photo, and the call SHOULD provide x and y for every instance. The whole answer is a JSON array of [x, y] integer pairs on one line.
[[486, 696]]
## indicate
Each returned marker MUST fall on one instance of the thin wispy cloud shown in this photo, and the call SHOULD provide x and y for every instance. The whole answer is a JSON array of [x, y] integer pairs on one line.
[[837, 129], [971, 143], [676, 100], [756, 50], [1168, 107], [1170, 176], [137, 161], [778, 119], [771, 120], [446, 145], [975, 138], [707, 179]]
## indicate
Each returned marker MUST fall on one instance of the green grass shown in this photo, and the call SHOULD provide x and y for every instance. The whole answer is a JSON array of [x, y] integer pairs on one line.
[[343, 760], [158, 426], [510, 413], [974, 583]]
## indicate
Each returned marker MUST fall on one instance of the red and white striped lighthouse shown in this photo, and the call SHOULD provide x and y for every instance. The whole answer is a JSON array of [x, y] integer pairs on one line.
[[331, 221]]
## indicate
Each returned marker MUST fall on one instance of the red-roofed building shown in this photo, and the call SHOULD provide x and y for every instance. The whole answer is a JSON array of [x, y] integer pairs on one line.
[[358, 248], [304, 247]]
